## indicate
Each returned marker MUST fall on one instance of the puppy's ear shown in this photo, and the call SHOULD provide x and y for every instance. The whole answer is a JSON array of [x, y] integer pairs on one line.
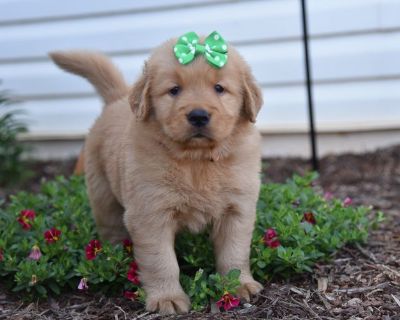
[[139, 97], [252, 97]]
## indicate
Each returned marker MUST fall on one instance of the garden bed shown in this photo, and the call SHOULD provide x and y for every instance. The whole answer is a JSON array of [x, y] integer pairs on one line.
[[362, 282]]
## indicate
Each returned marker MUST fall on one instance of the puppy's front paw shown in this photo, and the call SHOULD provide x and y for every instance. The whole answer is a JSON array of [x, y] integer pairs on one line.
[[249, 288], [168, 303]]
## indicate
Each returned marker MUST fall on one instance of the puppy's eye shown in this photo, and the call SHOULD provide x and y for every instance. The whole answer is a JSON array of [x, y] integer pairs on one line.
[[174, 91], [218, 88]]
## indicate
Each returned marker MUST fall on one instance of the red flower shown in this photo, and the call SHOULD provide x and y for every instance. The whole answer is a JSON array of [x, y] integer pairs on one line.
[[271, 238], [228, 301], [83, 284], [1, 255], [346, 202], [25, 217], [52, 235], [35, 253], [132, 273], [92, 249], [128, 245], [131, 295], [309, 217]]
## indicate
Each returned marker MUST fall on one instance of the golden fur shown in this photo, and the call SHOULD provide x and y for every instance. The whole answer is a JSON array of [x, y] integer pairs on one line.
[[148, 176]]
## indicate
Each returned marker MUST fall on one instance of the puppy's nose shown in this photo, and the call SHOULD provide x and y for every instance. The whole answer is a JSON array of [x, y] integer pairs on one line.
[[198, 117]]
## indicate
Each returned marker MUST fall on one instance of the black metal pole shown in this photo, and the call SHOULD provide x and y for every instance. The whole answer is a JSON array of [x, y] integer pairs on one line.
[[312, 132]]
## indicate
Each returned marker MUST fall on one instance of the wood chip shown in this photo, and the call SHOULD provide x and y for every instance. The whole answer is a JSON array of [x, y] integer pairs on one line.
[[355, 302], [396, 299], [322, 284], [390, 270], [363, 289], [367, 253], [298, 291]]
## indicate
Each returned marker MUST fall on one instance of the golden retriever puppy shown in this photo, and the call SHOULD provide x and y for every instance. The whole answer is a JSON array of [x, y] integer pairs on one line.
[[178, 150]]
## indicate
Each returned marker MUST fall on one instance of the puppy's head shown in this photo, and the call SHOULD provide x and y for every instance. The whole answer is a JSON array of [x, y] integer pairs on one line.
[[196, 105]]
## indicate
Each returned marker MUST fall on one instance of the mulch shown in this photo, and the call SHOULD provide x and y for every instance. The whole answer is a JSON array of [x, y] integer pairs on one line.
[[360, 282]]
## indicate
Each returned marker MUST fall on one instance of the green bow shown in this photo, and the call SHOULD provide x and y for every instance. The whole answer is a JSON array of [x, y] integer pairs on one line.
[[215, 49]]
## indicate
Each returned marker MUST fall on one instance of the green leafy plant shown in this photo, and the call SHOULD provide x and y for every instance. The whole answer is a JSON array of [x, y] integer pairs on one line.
[[11, 168], [309, 228], [204, 288], [48, 242]]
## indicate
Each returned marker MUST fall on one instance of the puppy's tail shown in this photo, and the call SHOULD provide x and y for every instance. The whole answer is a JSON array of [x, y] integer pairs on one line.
[[96, 68]]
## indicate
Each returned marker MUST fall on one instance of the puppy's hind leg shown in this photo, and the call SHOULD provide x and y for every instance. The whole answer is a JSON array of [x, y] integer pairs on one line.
[[107, 211]]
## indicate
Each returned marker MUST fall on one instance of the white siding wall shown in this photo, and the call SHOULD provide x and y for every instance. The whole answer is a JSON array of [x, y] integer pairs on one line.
[[355, 47]]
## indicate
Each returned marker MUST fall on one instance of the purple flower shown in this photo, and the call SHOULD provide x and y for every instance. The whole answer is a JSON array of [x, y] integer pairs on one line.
[[346, 202], [328, 195], [83, 284], [35, 253]]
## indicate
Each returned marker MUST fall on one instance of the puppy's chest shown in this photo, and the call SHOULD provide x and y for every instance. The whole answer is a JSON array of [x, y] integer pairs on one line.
[[202, 194]]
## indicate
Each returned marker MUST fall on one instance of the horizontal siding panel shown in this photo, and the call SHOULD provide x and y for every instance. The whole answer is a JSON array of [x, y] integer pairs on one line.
[[279, 19], [371, 56], [147, 30], [343, 16], [364, 56], [45, 78], [355, 46], [271, 64], [28, 10], [390, 14], [61, 117], [336, 106]]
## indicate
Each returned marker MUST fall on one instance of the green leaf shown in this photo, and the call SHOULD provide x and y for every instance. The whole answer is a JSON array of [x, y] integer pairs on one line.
[[41, 290], [54, 287]]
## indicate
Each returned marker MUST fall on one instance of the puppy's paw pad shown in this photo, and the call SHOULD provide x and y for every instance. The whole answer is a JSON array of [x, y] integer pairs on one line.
[[249, 288], [178, 303]]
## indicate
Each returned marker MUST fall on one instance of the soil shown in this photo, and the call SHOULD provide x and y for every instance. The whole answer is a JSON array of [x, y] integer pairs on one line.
[[361, 282]]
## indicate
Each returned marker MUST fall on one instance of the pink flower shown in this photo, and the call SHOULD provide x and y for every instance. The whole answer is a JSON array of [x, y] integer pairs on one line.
[[328, 195], [1, 255], [52, 235], [128, 245], [93, 249], [25, 218], [271, 238], [131, 295], [132, 273], [346, 202], [228, 301], [35, 253], [309, 217], [83, 284]]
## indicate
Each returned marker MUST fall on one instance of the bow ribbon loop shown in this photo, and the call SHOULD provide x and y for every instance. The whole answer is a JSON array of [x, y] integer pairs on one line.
[[214, 49]]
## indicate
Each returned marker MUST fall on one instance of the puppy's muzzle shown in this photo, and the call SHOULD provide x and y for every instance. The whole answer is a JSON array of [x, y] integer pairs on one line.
[[198, 118]]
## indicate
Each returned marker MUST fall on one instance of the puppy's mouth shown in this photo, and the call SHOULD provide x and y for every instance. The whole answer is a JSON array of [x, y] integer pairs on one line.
[[199, 139], [199, 135]]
